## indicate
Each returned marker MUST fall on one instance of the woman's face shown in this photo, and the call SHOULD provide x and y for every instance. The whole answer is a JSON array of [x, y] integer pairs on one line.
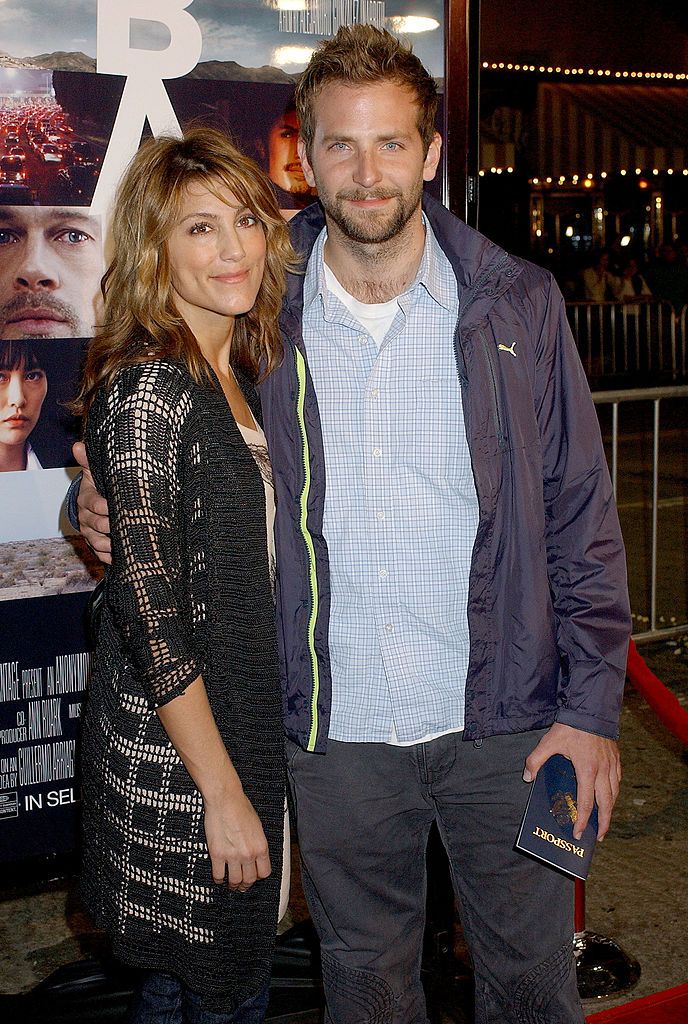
[[22, 392], [217, 257]]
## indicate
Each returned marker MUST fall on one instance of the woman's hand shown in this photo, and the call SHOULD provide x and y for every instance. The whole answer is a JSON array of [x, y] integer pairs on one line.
[[236, 842]]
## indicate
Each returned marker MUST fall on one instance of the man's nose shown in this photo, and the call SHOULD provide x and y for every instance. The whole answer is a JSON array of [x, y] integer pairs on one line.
[[38, 268], [367, 172]]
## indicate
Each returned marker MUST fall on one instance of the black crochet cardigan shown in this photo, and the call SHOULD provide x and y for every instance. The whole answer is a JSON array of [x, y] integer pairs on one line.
[[188, 593]]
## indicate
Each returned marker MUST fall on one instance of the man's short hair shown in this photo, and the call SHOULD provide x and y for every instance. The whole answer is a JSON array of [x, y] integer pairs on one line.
[[364, 55]]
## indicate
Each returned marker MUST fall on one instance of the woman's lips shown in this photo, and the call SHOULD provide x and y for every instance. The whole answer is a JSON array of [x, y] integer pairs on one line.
[[232, 278]]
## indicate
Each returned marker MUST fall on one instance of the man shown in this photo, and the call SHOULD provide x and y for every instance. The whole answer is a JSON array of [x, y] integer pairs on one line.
[[451, 597], [51, 262], [281, 160]]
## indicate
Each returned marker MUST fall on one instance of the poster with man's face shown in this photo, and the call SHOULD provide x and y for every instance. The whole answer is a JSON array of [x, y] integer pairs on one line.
[[51, 264], [82, 82]]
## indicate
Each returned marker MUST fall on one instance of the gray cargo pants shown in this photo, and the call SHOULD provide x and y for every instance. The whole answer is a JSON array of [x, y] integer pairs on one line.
[[364, 812]]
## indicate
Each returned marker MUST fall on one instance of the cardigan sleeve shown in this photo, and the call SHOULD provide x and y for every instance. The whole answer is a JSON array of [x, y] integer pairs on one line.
[[135, 440]]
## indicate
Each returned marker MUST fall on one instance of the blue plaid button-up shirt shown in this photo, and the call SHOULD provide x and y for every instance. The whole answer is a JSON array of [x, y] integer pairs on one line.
[[401, 511]]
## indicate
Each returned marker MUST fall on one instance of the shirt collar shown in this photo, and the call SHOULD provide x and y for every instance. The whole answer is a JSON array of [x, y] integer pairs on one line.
[[314, 280], [434, 273], [31, 458]]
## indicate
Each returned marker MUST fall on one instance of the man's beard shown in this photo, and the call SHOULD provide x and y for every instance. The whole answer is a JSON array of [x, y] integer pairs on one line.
[[32, 300], [372, 226]]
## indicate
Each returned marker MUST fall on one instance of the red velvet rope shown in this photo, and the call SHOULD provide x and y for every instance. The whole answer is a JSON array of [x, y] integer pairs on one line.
[[662, 701], [670, 713]]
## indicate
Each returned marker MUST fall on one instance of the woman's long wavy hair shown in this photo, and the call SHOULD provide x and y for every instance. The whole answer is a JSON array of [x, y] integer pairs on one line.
[[140, 316]]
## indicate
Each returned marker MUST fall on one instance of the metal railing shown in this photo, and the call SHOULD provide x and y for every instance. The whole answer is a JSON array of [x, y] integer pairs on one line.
[[629, 338], [656, 396]]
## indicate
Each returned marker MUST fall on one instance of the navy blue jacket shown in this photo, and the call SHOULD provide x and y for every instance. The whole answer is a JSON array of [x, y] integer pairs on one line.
[[548, 606]]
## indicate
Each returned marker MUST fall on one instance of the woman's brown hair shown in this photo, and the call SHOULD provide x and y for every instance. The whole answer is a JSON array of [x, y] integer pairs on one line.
[[140, 317]]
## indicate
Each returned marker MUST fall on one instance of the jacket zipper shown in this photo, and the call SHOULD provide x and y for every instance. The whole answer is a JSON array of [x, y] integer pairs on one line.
[[308, 541], [489, 272], [501, 436]]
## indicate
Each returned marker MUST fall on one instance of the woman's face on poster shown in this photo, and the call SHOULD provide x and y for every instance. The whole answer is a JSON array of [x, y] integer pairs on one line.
[[22, 393]]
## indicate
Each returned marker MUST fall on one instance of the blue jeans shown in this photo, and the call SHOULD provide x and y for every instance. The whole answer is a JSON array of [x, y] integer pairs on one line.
[[165, 999], [364, 811]]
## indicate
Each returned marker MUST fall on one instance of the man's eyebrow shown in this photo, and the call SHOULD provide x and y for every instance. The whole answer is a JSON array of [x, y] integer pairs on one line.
[[74, 216], [8, 217], [386, 137], [13, 216]]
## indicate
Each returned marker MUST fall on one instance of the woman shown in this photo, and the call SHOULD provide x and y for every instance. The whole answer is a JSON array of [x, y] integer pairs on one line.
[[23, 387], [182, 741]]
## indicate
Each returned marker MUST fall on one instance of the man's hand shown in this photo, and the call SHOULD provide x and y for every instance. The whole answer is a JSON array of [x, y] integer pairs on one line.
[[93, 510], [598, 771]]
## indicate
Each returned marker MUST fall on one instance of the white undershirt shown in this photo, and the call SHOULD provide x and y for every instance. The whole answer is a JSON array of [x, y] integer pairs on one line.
[[374, 317]]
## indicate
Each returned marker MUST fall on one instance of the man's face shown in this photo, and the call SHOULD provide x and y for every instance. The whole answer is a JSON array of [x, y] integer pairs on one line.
[[51, 262], [367, 159], [284, 166]]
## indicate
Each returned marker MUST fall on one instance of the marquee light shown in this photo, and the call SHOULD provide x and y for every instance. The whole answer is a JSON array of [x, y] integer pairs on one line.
[[584, 179], [666, 76], [283, 56], [412, 23], [587, 180]]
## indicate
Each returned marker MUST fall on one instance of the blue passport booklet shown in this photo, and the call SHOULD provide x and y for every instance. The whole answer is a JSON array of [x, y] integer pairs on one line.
[[547, 828]]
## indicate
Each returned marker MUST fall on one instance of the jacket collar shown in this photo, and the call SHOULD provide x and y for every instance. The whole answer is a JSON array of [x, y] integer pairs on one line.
[[483, 270]]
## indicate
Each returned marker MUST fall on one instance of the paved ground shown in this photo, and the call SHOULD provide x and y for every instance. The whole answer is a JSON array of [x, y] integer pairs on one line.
[[636, 895]]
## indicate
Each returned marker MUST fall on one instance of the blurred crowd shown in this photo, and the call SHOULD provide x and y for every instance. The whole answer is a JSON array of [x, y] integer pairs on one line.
[[611, 275]]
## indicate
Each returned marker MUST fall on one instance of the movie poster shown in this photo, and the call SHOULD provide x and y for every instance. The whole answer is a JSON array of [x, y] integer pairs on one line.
[[81, 83]]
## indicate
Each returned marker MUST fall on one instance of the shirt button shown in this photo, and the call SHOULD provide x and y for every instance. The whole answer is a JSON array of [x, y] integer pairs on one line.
[[373, 393], [362, 338], [389, 627], [377, 452], [379, 515], [383, 574]]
